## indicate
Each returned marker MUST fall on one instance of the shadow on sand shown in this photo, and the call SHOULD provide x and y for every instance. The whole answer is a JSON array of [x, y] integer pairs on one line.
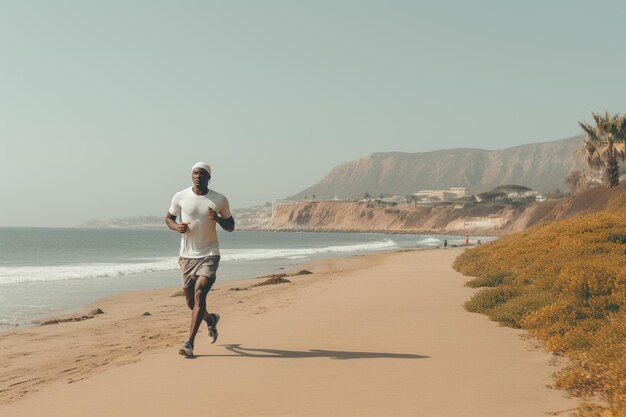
[[238, 350]]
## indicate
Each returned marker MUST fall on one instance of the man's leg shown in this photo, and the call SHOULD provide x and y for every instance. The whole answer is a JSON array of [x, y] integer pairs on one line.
[[190, 296], [201, 289]]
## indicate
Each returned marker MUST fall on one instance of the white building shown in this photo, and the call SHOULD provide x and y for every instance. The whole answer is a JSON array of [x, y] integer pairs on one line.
[[461, 191], [442, 195]]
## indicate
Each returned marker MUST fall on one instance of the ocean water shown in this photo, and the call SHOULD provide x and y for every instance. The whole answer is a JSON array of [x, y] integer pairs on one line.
[[45, 271]]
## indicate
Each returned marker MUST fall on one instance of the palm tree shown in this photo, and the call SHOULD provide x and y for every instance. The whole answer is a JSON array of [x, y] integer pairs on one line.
[[604, 144], [575, 181]]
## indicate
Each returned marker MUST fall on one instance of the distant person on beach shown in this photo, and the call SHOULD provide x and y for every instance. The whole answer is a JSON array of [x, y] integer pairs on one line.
[[200, 209], [445, 243], [466, 240]]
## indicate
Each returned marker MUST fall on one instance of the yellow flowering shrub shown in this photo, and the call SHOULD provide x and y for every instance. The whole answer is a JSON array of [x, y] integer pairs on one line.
[[565, 283]]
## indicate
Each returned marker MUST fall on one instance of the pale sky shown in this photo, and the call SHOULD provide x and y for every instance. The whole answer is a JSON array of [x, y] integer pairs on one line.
[[106, 105]]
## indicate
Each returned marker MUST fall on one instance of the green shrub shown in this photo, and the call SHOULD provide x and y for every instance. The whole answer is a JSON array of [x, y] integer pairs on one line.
[[489, 280], [512, 312], [489, 298]]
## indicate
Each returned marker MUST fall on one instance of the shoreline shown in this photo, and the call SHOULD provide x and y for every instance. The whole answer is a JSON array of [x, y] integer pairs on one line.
[[476, 232], [423, 352], [59, 295], [83, 307]]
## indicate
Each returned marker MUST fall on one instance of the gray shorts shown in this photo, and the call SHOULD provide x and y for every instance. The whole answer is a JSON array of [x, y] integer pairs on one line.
[[192, 268]]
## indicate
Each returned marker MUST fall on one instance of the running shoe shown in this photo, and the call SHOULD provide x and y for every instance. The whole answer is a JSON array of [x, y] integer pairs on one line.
[[213, 328], [186, 349]]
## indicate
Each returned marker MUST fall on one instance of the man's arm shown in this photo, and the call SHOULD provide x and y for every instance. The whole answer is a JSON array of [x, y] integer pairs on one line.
[[227, 223], [170, 221]]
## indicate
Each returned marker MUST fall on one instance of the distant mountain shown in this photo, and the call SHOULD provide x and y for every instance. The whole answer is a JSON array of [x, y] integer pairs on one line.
[[542, 167]]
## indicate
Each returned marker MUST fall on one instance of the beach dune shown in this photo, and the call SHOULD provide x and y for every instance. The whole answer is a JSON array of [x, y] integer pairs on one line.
[[370, 335]]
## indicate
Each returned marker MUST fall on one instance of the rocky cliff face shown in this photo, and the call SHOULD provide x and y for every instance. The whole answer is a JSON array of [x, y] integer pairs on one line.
[[375, 217], [542, 167], [487, 218]]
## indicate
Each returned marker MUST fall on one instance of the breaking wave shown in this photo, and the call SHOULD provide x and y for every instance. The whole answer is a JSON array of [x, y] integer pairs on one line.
[[14, 275]]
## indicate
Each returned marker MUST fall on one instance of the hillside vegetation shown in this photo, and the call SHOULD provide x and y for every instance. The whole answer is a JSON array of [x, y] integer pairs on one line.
[[565, 282]]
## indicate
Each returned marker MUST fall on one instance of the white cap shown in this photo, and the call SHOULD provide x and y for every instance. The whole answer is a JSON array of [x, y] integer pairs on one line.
[[202, 165]]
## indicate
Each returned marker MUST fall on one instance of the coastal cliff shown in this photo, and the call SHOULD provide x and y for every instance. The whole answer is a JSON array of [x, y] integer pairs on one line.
[[377, 217], [488, 218]]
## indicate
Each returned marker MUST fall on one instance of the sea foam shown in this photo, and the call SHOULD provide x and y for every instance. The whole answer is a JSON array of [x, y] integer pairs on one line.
[[13, 275], [429, 241], [297, 253]]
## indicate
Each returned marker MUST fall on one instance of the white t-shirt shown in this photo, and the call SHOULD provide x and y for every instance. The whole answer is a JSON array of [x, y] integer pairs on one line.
[[200, 240]]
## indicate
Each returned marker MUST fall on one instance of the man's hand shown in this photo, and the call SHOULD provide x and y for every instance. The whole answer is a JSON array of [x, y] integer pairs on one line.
[[212, 214], [182, 227]]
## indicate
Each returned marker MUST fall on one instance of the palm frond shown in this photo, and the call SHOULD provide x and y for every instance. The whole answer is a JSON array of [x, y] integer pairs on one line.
[[604, 144]]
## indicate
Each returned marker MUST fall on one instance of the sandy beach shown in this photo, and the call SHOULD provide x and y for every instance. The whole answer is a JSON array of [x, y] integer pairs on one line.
[[369, 335]]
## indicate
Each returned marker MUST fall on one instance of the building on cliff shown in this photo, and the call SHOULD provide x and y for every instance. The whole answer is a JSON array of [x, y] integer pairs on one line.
[[442, 195]]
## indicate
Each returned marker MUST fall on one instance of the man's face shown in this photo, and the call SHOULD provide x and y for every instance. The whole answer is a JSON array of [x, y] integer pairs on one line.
[[200, 177]]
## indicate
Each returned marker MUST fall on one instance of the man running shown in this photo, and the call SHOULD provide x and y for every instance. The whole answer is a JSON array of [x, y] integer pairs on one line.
[[199, 209]]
